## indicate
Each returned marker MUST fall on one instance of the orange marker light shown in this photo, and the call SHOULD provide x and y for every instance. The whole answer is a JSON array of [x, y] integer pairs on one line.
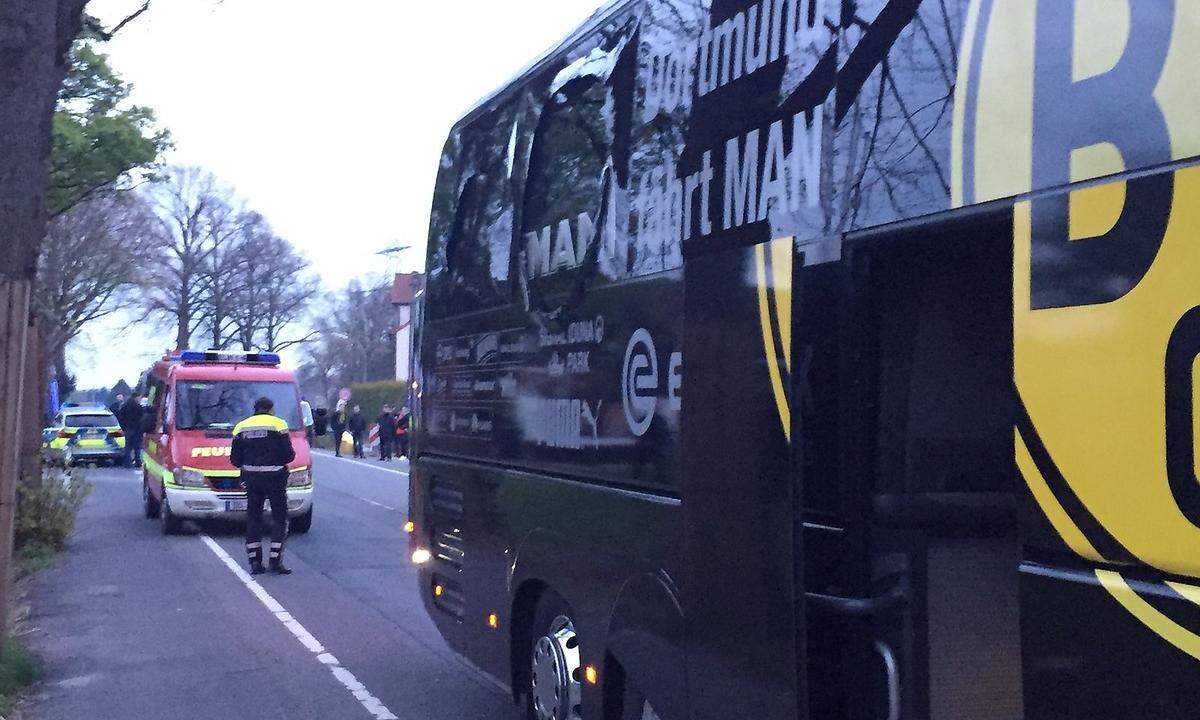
[[437, 590], [410, 526], [590, 674], [493, 621]]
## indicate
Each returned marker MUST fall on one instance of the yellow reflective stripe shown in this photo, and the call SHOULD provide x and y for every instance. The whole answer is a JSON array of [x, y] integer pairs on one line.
[[215, 473], [261, 422], [156, 469]]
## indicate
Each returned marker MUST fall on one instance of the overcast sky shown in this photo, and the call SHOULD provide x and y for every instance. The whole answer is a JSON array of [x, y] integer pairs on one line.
[[328, 118]]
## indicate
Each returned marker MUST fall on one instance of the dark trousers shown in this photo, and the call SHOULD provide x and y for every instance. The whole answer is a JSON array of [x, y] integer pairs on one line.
[[358, 445], [270, 487], [385, 447], [337, 440], [132, 455], [402, 445]]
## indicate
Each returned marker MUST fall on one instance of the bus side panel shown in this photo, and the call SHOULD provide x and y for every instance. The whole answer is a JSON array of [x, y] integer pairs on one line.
[[495, 534], [1086, 655], [739, 590]]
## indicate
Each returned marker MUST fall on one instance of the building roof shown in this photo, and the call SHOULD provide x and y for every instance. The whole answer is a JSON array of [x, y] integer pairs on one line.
[[405, 287]]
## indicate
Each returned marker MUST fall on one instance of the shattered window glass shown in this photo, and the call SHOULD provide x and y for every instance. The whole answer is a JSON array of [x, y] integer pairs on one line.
[[575, 213], [472, 224]]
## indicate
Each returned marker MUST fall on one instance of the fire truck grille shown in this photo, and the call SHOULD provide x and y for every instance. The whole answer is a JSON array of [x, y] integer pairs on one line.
[[227, 483]]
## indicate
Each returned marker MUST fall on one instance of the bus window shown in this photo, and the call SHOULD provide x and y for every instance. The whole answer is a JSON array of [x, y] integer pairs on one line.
[[471, 236], [577, 171], [663, 101]]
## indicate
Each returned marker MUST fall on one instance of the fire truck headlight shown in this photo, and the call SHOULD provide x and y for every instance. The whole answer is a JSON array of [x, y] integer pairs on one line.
[[300, 478], [191, 479]]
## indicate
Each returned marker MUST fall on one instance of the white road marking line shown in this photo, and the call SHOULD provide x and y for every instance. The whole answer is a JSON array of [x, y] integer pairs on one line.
[[371, 703], [361, 463], [377, 504]]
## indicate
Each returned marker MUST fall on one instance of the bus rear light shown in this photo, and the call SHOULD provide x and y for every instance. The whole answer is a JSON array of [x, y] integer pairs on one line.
[[438, 590], [591, 674], [493, 621], [421, 556], [410, 527]]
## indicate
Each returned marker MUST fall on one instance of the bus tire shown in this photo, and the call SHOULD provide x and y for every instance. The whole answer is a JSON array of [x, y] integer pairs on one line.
[[171, 523], [302, 524], [150, 505], [555, 686], [622, 699]]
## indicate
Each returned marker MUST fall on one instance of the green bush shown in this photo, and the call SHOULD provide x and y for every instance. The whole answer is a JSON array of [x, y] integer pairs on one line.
[[33, 557], [18, 670], [48, 503], [374, 395]]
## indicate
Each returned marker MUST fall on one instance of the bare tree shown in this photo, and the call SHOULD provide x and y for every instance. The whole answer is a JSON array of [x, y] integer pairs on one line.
[[354, 337], [197, 216], [284, 294], [94, 257], [222, 282], [271, 289]]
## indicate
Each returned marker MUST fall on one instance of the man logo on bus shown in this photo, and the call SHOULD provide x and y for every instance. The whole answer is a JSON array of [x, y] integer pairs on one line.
[[1106, 313], [640, 382]]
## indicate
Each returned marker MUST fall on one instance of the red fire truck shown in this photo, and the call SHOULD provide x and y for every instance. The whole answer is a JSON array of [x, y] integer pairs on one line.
[[196, 398]]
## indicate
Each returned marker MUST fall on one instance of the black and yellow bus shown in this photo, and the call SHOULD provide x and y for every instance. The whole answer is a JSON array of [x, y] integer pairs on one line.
[[823, 359]]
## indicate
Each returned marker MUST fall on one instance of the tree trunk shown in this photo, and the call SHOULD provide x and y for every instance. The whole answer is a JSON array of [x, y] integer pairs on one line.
[[182, 337], [34, 38], [14, 332]]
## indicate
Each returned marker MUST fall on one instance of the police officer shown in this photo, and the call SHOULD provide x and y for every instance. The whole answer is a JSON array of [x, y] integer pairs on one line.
[[262, 448]]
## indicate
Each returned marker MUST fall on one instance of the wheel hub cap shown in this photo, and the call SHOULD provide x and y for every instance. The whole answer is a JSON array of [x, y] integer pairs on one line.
[[556, 667]]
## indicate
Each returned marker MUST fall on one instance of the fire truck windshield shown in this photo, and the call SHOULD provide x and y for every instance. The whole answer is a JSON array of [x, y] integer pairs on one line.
[[216, 404]]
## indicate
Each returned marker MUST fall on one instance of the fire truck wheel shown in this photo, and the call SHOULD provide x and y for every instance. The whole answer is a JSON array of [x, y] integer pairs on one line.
[[302, 524], [171, 524], [149, 503]]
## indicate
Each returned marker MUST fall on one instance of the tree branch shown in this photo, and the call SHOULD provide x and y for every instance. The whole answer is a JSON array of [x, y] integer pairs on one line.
[[93, 25]]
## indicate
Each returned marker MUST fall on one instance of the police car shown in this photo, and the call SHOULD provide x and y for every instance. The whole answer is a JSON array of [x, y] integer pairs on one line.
[[85, 433]]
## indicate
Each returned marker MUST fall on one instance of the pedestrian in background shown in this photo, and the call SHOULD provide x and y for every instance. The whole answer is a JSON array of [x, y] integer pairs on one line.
[[262, 449], [306, 412], [357, 425], [387, 433], [130, 416], [403, 420], [337, 424], [115, 408]]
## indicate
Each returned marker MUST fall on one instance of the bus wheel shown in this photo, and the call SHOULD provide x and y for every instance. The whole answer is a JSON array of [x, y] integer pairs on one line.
[[171, 524], [555, 689], [623, 701], [149, 504]]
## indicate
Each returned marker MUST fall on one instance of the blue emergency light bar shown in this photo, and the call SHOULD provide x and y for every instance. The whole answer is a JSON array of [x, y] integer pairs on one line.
[[227, 356]]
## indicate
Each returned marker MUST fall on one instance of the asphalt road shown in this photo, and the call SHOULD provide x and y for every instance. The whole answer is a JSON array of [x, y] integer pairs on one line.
[[132, 624]]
